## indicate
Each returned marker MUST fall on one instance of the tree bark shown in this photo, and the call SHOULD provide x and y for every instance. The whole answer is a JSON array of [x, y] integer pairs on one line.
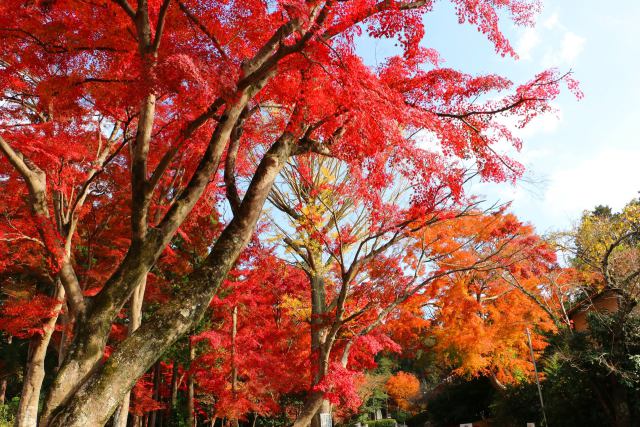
[[92, 334], [233, 422], [173, 392], [3, 383], [135, 319], [153, 417], [190, 387], [321, 346], [27, 415], [311, 406], [96, 399], [325, 408], [3, 390]]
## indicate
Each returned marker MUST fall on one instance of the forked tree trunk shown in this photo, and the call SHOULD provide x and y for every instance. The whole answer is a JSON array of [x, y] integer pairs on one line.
[[93, 403], [312, 404], [27, 415], [325, 408], [135, 319]]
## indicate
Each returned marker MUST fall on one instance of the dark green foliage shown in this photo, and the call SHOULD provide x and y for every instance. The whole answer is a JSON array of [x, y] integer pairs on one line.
[[602, 211], [517, 405], [461, 402], [400, 416], [418, 420], [381, 423], [281, 419], [590, 379]]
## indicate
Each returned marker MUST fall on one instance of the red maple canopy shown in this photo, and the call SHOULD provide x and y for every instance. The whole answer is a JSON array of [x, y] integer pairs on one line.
[[129, 123]]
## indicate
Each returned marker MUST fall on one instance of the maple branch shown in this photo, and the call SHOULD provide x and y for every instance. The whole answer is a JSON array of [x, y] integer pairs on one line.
[[23, 237], [85, 187], [488, 145], [32, 174], [194, 19], [102, 159], [208, 164], [188, 131], [275, 49], [276, 198], [488, 112], [124, 4], [293, 245], [377, 8], [140, 192], [513, 281], [230, 161], [36, 182], [310, 145], [50, 47], [606, 261], [160, 25]]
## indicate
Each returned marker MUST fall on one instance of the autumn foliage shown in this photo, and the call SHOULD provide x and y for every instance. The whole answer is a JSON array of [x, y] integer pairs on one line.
[[403, 387], [140, 142]]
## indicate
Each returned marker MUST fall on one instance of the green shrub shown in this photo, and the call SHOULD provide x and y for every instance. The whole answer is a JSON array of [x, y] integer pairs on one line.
[[461, 402], [418, 420], [8, 412], [389, 422]]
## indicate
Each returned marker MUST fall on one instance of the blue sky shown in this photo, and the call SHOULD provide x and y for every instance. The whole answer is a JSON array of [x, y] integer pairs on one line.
[[588, 151]]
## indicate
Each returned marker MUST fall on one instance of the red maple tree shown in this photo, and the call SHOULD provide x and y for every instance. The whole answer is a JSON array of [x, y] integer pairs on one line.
[[129, 111]]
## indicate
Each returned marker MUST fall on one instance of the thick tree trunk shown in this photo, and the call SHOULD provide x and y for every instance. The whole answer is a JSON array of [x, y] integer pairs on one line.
[[135, 319], [321, 346], [325, 408], [27, 415], [94, 402], [93, 331], [311, 406], [3, 383], [86, 352]]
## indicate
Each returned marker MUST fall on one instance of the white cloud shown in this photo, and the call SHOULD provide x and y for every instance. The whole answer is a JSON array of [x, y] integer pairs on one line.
[[567, 53], [563, 45], [546, 123], [528, 41], [556, 200], [608, 177], [551, 22]]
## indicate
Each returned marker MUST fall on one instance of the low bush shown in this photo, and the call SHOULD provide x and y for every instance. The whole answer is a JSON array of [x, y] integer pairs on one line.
[[381, 423]]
